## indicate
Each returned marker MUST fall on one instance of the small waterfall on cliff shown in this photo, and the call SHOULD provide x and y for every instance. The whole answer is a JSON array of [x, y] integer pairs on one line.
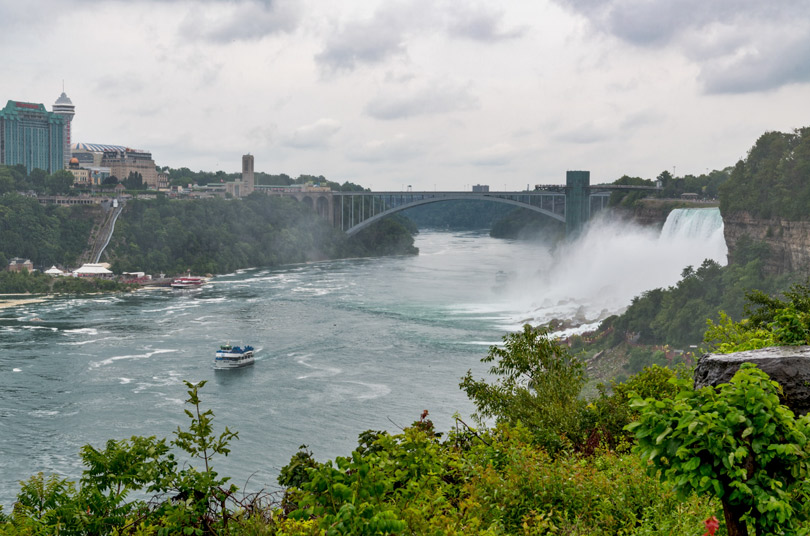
[[693, 223]]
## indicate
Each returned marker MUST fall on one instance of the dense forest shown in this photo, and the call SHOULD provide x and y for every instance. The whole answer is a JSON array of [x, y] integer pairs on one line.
[[219, 235], [45, 234]]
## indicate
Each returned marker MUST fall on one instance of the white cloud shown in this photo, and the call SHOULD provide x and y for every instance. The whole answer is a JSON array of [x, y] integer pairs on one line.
[[396, 149], [402, 101], [500, 154], [316, 135]]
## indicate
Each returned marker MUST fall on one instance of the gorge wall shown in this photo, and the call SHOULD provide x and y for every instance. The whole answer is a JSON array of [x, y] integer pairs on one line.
[[788, 241]]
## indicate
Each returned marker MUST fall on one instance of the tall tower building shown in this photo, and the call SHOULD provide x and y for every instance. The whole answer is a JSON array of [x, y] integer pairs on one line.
[[65, 109], [248, 182]]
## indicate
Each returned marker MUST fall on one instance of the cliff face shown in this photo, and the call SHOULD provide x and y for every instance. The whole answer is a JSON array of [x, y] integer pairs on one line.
[[789, 241]]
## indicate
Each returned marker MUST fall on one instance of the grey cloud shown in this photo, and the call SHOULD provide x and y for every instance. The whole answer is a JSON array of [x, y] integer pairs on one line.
[[759, 70], [366, 42], [386, 33], [739, 46], [479, 24], [430, 100], [245, 21]]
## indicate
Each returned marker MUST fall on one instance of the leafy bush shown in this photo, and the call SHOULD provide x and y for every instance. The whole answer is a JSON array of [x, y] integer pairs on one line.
[[771, 322], [736, 443], [538, 385]]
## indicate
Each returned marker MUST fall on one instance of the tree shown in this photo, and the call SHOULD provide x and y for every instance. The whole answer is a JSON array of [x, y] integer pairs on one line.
[[736, 442], [60, 183], [538, 385], [38, 179], [6, 180], [112, 179], [134, 181]]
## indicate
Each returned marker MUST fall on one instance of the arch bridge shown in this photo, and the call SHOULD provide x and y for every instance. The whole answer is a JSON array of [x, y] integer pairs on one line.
[[573, 204]]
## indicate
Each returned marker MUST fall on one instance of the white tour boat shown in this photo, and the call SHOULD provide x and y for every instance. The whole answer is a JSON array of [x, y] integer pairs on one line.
[[229, 357]]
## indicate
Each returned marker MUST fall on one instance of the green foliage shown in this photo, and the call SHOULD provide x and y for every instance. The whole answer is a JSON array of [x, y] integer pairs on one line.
[[296, 473], [737, 443], [677, 315], [538, 385], [46, 234], [609, 413], [219, 235], [772, 181], [389, 236], [772, 322], [39, 283]]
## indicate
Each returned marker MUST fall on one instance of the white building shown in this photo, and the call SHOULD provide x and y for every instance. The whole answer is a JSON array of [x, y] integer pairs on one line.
[[93, 270]]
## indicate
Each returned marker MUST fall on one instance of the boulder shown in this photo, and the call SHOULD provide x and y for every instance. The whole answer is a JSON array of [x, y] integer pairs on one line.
[[787, 365]]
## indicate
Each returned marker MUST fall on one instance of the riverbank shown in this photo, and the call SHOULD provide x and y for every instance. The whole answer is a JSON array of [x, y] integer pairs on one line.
[[13, 300]]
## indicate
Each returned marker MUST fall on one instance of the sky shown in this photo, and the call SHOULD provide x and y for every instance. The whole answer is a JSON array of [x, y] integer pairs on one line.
[[431, 94]]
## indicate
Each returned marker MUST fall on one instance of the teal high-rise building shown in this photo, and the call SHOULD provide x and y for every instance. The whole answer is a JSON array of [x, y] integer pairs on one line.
[[32, 136]]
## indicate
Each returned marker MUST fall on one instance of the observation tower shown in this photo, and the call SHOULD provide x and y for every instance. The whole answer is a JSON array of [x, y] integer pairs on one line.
[[65, 109]]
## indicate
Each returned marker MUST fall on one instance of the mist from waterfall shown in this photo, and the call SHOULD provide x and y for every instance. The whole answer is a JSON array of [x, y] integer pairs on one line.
[[599, 273]]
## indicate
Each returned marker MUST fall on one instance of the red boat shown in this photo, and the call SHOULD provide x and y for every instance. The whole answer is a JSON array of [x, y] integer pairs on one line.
[[188, 282]]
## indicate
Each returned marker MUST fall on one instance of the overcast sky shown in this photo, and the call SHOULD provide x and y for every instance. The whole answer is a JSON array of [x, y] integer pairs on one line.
[[436, 94]]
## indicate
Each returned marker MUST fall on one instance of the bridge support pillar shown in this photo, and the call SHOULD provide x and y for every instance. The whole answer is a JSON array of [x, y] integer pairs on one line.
[[577, 201]]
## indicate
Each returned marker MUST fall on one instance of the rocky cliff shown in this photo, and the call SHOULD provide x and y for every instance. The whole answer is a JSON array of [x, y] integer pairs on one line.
[[788, 241]]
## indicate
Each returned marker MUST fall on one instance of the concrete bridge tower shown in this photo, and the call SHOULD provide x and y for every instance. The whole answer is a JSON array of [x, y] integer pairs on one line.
[[577, 201]]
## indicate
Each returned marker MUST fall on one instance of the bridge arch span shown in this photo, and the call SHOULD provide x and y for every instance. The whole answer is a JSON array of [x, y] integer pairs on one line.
[[465, 197]]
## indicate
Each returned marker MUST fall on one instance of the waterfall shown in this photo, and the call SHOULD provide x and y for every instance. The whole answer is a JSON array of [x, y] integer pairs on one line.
[[610, 263], [701, 228], [693, 223]]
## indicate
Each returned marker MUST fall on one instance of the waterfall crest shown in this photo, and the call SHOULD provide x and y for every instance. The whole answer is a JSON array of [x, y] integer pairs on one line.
[[693, 223]]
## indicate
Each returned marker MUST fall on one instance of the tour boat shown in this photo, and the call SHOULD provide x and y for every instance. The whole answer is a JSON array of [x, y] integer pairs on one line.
[[229, 357], [187, 282]]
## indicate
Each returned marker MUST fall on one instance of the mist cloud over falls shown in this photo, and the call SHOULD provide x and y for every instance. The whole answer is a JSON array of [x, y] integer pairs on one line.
[[599, 273]]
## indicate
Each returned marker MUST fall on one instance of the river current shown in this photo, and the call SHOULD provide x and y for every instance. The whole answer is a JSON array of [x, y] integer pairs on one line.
[[342, 346]]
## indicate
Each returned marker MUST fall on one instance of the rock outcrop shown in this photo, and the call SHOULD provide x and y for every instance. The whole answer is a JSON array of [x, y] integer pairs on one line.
[[787, 365], [788, 241]]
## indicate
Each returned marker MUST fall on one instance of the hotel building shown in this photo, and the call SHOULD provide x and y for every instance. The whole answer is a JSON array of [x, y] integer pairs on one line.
[[32, 136]]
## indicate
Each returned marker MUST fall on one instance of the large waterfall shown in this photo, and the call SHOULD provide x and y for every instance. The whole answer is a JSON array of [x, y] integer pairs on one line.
[[694, 224], [612, 262]]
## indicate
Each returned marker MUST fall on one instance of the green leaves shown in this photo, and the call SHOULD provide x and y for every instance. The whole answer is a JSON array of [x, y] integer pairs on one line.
[[735, 442], [538, 384]]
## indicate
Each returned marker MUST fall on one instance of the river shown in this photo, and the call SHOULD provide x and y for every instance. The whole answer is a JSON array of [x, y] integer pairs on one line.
[[342, 346]]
